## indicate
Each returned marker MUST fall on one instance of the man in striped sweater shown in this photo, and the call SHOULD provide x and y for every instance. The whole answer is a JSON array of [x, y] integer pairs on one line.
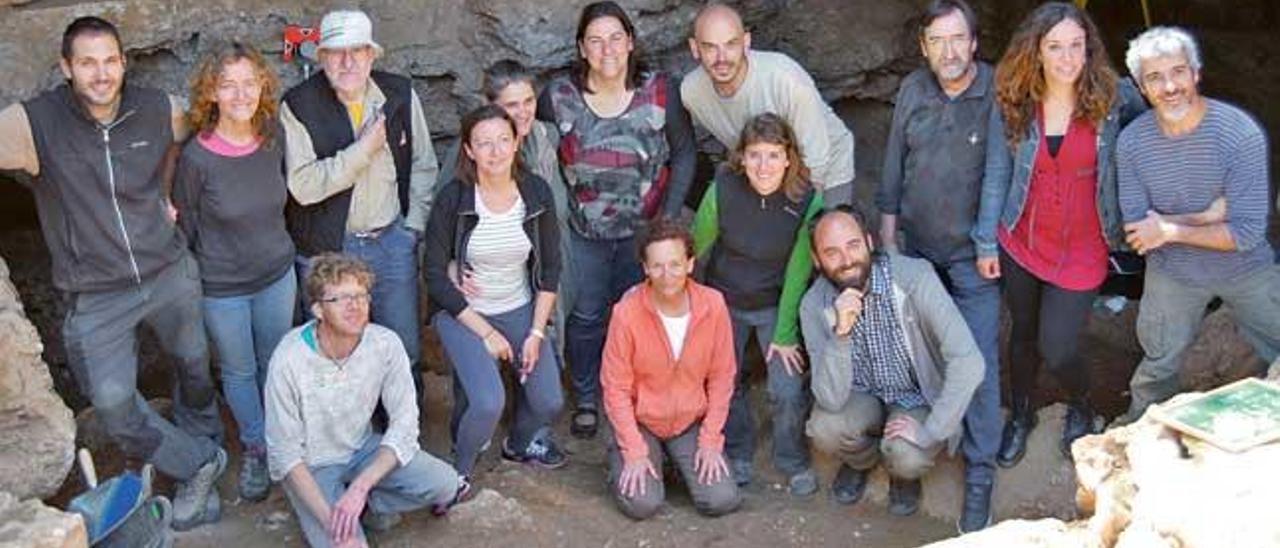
[[1193, 192]]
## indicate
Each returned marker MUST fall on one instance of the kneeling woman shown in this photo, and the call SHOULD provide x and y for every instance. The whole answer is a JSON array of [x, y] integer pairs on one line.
[[667, 377], [497, 221]]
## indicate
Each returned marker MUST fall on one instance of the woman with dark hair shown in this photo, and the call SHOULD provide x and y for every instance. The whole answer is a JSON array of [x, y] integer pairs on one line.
[[230, 194], [497, 221], [757, 253], [1049, 214], [627, 153], [511, 86]]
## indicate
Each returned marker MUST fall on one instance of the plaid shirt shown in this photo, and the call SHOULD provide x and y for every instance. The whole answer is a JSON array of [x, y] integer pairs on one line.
[[881, 364]]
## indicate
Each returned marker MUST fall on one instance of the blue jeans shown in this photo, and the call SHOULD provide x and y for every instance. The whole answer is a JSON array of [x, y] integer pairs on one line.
[[979, 302], [603, 271], [101, 335], [478, 407], [788, 398], [425, 480], [245, 330], [392, 255]]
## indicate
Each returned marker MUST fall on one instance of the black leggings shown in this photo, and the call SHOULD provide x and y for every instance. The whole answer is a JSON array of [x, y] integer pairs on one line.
[[1047, 321]]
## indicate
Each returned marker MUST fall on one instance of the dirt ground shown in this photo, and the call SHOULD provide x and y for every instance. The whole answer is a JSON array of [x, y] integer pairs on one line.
[[525, 506]]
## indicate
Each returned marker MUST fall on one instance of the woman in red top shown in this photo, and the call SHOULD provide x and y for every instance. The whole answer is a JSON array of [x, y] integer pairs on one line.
[[1050, 183]]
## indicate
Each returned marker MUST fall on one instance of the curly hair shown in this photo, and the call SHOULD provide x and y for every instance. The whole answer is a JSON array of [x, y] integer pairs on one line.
[[1020, 83], [203, 114], [330, 269], [772, 129], [662, 229]]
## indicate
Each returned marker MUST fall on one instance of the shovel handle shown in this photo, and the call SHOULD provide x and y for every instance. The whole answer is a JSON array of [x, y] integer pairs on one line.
[[86, 467]]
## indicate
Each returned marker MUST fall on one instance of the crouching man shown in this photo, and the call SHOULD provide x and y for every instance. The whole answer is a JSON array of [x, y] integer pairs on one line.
[[894, 364], [324, 381], [668, 375]]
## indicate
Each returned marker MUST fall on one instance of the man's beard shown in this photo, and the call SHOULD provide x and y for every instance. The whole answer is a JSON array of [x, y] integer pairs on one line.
[[856, 281]]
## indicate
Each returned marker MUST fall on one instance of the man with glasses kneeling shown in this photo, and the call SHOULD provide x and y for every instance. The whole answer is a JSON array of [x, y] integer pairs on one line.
[[326, 377]]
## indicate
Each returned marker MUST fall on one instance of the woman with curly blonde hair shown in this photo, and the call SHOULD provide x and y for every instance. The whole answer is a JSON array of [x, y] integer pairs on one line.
[[230, 193], [1048, 214]]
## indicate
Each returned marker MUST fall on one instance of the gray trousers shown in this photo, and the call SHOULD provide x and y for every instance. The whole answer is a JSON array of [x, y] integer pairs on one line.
[[478, 406], [1169, 318], [788, 398], [716, 499], [101, 335], [854, 436]]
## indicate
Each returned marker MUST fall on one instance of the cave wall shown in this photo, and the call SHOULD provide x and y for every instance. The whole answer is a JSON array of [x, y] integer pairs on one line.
[[856, 50]]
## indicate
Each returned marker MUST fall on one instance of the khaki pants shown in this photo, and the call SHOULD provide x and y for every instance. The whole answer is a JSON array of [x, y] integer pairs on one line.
[[854, 436]]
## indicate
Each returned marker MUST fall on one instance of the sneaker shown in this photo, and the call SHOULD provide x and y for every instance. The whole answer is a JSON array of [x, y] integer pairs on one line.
[[849, 485], [976, 514], [459, 496], [741, 471], [255, 481], [379, 522], [803, 484], [904, 496], [196, 500], [541, 452]]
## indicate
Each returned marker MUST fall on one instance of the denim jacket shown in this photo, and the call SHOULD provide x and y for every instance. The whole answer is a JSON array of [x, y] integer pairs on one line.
[[1006, 183]]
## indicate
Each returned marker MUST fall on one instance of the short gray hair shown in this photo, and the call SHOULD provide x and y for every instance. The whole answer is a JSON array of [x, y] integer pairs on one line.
[[1160, 41]]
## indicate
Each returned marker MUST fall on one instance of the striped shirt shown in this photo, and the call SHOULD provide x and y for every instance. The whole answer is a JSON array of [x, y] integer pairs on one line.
[[1226, 155], [498, 253]]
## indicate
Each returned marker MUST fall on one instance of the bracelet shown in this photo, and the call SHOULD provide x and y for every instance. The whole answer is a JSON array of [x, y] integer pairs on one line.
[[535, 332]]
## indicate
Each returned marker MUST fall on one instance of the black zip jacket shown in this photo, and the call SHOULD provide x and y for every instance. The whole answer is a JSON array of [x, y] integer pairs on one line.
[[449, 227]]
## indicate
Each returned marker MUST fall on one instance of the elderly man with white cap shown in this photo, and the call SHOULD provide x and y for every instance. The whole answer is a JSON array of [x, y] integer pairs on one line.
[[361, 171]]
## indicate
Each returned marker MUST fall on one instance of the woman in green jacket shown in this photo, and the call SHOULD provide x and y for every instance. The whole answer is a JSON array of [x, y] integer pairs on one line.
[[757, 254]]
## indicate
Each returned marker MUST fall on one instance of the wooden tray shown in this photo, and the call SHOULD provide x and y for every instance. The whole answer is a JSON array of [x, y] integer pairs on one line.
[[1236, 417]]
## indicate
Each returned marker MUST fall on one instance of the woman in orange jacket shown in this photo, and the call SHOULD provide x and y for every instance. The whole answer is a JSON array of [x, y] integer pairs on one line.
[[668, 375]]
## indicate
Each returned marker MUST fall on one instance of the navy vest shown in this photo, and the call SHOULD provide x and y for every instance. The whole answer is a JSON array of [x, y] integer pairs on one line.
[[320, 227]]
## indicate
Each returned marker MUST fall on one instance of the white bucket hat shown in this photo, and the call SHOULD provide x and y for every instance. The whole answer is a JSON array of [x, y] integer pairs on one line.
[[347, 29]]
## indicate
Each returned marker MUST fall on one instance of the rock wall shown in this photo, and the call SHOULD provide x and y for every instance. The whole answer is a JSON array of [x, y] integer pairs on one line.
[[37, 432], [30, 524], [443, 45]]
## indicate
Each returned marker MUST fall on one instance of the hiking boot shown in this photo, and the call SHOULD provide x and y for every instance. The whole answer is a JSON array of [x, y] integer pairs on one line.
[[803, 484], [1079, 422], [742, 471], [379, 522], [1013, 441], [196, 500], [976, 514], [585, 422], [255, 481], [849, 485], [541, 452], [904, 496]]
